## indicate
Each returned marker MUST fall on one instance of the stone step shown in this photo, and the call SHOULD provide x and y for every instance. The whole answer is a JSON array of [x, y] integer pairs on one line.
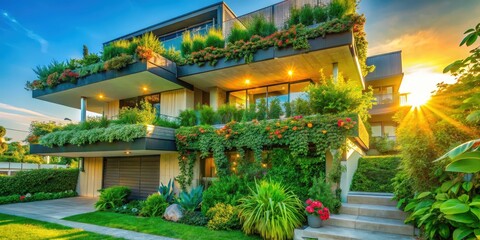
[[384, 199], [369, 210], [340, 233], [394, 226]]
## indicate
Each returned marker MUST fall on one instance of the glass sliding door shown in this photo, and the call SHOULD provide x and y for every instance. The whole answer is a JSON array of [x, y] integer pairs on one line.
[[280, 93]]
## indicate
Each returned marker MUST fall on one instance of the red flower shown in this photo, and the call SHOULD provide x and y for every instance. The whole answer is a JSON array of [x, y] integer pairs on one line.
[[277, 132], [22, 198], [309, 209], [348, 119], [309, 201], [340, 123]]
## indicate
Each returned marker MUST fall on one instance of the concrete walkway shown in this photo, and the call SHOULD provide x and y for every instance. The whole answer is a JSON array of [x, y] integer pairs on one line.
[[54, 210]]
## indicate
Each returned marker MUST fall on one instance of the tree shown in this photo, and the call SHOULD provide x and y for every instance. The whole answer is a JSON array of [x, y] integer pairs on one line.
[[3, 144], [85, 51]]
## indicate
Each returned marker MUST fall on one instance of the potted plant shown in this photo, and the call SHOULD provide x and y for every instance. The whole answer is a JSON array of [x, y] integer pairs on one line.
[[316, 213]]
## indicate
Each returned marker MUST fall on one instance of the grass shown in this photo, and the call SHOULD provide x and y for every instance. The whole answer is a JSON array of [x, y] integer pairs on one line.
[[156, 226], [12, 227]]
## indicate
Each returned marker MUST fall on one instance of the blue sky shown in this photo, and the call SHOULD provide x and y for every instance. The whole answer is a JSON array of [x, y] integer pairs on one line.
[[35, 32]]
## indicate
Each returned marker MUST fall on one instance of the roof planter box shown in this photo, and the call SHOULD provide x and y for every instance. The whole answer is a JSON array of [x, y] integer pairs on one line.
[[154, 141]]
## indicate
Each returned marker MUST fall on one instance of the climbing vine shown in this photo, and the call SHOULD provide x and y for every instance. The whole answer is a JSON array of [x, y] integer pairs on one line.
[[301, 135]]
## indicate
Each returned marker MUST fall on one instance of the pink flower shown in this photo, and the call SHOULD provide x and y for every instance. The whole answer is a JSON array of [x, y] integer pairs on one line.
[[348, 119], [310, 209], [309, 201]]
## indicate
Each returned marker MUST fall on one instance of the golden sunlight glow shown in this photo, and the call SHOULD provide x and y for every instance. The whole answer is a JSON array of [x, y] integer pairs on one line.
[[247, 81], [290, 73], [421, 83], [144, 89], [100, 96]]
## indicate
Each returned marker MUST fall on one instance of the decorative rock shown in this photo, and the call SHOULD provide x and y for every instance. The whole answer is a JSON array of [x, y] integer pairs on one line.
[[173, 213]]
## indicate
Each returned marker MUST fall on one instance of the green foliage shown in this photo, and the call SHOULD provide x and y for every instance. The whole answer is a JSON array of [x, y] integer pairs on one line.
[[116, 49], [321, 190], [375, 174], [223, 217], [154, 206], [384, 145], [143, 114], [271, 211], [320, 14], [39, 180], [227, 190], [296, 173], [341, 8], [207, 114], [402, 188], [194, 218], [237, 33], [260, 26], [188, 117], [315, 133], [118, 62], [186, 45], [214, 38], [114, 132], [262, 109], [168, 191], [275, 110], [40, 196], [198, 42], [306, 15], [3, 144], [464, 158], [43, 72], [300, 107], [228, 112], [131, 208], [150, 41], [190, 201], [112, 197], [340, 96], [166, 122], [90, 59], [173, 55]]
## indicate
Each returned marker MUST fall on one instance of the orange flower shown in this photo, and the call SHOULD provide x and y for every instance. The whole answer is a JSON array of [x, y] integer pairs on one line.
[[310, 125], [324, 131], [294, 128]]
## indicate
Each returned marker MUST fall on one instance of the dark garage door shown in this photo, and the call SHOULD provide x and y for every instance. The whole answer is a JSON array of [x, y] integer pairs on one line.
[[140, 174]]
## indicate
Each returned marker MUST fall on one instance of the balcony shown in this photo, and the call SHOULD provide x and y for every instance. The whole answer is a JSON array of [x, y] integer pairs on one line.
[[388, 102]]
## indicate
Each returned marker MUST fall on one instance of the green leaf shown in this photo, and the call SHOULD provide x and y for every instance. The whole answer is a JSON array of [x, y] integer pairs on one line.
[[454, 206], [459, 149], [467, 155], [469, 30], [446, 186], [464, 198], [444, 231], [461, 218], [422, 195], [475, 201], [467, 186], [464, 166], [472, 39], [420, 211], [410, 206], [475, 211], [442, 196], [477, 233], [455, 188], [461, 233]]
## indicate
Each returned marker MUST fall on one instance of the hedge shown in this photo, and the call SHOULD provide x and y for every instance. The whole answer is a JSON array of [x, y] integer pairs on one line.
[[374, 174], [16, 198], [39, 180]]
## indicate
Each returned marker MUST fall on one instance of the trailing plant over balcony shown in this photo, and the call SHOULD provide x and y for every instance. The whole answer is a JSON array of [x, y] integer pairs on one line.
[[317, 133]]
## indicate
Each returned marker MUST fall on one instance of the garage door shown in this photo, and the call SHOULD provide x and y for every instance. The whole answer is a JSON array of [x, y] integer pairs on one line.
[[140, 174]]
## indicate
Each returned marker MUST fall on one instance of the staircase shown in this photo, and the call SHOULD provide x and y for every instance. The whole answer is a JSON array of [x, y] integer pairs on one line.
[[369, 216]]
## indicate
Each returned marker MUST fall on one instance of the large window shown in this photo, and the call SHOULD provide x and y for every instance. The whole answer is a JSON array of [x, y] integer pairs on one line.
[[153, 99], [254, 95], [384, 95], [238, 98]]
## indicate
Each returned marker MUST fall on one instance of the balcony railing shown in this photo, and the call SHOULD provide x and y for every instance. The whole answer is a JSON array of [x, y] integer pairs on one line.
[[278, 14]]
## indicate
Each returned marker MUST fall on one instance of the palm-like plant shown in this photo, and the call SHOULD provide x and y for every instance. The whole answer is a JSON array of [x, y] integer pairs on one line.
[[271, 210]]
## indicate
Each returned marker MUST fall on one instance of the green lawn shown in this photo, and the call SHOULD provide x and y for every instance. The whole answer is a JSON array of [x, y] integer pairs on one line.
[[12, 227], [157, 226]]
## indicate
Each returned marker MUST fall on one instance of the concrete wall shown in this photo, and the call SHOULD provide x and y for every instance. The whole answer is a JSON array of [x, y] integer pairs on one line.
[[169, 169], [90, 180], [172, 102], [218, 97], [350, 162], [112, 109]]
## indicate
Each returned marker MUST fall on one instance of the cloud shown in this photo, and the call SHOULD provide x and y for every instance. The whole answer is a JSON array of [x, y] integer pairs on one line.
[[29, 33], [22, 110], [23, 116]]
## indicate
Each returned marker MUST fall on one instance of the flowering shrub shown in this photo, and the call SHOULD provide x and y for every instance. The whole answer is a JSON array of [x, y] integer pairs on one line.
[[316, 208], [346, 123], [300, 134], [144, 53], [68, 76]]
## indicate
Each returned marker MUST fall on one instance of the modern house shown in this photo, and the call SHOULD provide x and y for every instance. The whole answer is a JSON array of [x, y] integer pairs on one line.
[[170, 88]]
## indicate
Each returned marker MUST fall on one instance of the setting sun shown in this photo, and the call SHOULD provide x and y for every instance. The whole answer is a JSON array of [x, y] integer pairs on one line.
[[417, 99]]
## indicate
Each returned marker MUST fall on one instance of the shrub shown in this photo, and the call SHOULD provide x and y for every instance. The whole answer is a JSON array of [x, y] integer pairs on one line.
[[194, 218], [383, 144], [44, 71], [341, 8], [207, 115], [116, 49], [261, 109], [165, 122], [198, 42], [167, 191], [90, 59], [250, 113], [300, 107], [119, 62], [154, 206], [271, 210], [402, 188], [223, 217], [188, 118], [306, 15], [275, 109], [39, 180], [294, 17], [190, 201], [375, 174], [227, 113], [143, 114], [132, 208], [237, 33], [227, 190], [321, 190], [186, 45], [112, 197], [260, 26], [214, 38], [173, 55], [320, 14], [40, 196], [150, 41]]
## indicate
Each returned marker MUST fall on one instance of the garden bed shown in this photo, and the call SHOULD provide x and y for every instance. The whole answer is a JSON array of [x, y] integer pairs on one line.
[[156, 226]]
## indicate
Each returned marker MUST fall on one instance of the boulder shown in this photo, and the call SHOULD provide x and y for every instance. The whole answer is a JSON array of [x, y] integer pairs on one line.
[[173, 213]]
